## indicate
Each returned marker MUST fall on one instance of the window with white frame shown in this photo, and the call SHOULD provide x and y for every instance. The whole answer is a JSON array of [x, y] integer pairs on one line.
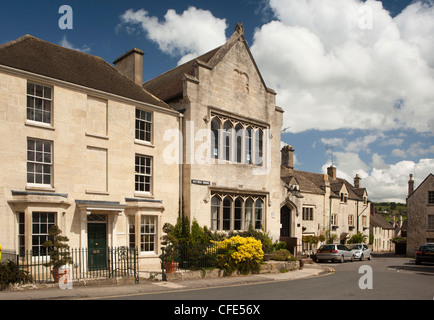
[[351, 220], [148, 233], [39, 161], [143, 174], [39, 103], [143, 125], [21, 234], [334, 219], [132, 231], [41, 224]]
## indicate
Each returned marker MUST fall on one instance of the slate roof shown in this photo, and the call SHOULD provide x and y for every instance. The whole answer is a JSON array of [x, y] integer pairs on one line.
[[314, 183], [169, 84], [378, 220], [40, 57]]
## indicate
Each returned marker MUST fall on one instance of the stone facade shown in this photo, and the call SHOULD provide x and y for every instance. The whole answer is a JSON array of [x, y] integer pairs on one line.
[[420, 214], [80, 167], [226, 106], [316, 205]]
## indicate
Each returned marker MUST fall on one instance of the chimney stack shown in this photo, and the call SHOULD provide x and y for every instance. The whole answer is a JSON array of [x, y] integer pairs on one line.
[[130, 65], [357, 180], [410, 185], [287, 157], [331, 171]]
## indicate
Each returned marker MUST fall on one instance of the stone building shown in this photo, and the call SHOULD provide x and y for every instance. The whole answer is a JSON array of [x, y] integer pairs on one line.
[[383, 233], [420, 214], [81, 147], [231, 138], [320, 205]]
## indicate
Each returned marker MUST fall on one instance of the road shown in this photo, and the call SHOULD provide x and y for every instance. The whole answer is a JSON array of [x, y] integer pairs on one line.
[[393, 278]]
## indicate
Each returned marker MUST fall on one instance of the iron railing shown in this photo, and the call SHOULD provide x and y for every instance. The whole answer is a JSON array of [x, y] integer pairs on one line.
[[111, 263], [194, 256]]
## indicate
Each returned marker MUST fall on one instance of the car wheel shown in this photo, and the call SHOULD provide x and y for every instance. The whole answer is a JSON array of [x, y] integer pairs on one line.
[[361, 257], [370, 257], [342, 259]]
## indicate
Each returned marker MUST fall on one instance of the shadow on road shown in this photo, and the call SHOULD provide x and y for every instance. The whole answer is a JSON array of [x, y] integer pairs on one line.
[[426, 269]]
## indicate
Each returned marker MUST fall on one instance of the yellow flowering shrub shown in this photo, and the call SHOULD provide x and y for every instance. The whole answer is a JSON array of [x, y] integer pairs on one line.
[[237, 253]]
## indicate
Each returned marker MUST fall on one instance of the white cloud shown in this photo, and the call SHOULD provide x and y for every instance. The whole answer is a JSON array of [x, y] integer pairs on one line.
[[65, 43], [322, 63], [415, 150], [189, 34]]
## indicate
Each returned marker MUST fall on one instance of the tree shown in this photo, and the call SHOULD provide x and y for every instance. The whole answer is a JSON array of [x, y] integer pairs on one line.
[[57, 248], [358, 238]]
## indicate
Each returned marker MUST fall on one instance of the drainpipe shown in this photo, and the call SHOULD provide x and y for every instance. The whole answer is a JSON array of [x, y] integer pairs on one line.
[[181, 161]]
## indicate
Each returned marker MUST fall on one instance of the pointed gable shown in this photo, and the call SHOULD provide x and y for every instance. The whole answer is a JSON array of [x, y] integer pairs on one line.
[[169, 85]]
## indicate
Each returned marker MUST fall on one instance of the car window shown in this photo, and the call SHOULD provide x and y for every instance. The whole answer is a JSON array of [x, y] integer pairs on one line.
[[327, 247]]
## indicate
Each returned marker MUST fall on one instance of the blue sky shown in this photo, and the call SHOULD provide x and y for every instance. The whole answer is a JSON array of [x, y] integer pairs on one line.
[[353, 77]]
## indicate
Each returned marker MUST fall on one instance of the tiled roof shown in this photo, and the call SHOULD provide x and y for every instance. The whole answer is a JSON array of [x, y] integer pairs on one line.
[[315, 183], [43, 58]]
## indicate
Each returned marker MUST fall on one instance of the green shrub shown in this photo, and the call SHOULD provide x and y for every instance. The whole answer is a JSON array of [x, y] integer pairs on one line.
[[282, 255], [10, 273]]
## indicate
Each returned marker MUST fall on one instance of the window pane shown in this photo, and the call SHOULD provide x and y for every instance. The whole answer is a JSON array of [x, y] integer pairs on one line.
[[258, 214], [248, 145], [215, 213], [249, 214], [239, 142], [227, 214], [238, 214], [215, 128]]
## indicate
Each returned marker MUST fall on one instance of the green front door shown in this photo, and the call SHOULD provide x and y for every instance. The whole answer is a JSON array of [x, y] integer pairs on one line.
[[97, 246]]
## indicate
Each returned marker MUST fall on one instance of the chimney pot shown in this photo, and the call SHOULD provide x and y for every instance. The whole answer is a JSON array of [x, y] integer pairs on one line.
[[357, 180], [287, 157], [410, 185], [331, 171], [130, 65]]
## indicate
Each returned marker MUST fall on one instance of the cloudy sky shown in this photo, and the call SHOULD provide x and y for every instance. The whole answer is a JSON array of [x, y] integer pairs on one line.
[[355, 78]]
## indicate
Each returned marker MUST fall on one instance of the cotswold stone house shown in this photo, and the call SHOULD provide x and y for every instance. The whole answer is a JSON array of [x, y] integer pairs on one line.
[[320, 204], [81, 147], [420, 214], [231, 138], [383, 233]]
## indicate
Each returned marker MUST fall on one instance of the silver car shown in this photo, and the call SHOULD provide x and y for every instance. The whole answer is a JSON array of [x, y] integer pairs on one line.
[[334, 252], [360, 251]]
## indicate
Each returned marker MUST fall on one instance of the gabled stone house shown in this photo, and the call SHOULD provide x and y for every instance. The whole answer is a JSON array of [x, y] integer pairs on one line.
[[81, 147], [231, 138], [420, 214], [320, 204]]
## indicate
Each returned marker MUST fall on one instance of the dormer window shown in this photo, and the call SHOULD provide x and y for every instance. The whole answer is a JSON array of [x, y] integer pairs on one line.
[[344, 197]]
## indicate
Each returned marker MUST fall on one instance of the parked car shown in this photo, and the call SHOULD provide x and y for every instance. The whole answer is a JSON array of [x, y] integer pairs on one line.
[[425, 253], [334, 252], [360, 251]]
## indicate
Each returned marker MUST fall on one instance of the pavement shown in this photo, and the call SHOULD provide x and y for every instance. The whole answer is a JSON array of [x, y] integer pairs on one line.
[[101, 290]]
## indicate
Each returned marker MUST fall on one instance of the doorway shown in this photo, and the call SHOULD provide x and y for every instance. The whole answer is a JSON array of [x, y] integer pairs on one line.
[[97, 245], [285, 222]]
